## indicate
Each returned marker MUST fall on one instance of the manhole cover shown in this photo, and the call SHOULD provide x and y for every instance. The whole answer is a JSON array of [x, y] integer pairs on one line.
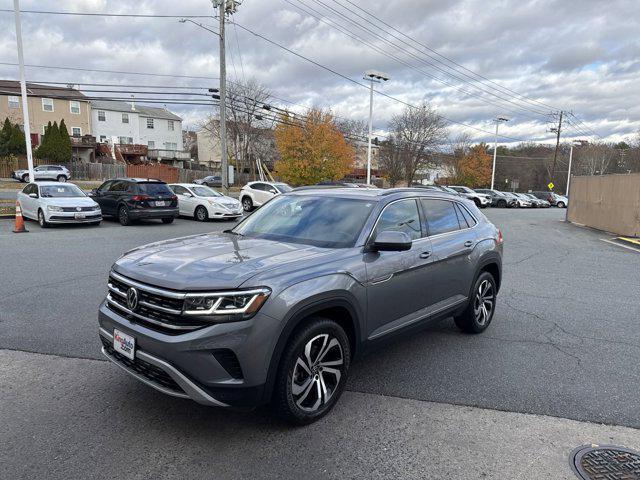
[[605, 462]]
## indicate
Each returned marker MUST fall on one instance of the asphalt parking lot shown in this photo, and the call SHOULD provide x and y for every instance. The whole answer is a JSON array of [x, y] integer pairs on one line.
[[564, 344]]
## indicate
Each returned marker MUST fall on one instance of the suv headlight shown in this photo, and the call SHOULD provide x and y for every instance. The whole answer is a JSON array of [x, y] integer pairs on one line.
[[53, 208], [240, 304]]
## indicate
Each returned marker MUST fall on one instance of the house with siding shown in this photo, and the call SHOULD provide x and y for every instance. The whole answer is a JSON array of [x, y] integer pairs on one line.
[[156, 129]]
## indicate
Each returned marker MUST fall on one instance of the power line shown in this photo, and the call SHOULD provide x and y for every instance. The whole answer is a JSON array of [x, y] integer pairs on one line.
[[88, 14], [421, 60]]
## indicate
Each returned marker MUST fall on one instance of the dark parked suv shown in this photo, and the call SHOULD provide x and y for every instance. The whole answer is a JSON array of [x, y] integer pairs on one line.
[[131, 199], [276, 309]]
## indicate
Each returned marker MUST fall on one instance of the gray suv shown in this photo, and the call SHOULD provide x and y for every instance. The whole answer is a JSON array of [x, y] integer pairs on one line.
[[276, 309]]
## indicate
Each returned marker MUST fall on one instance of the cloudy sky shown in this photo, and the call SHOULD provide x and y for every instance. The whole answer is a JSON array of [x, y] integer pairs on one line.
[[521, 59]]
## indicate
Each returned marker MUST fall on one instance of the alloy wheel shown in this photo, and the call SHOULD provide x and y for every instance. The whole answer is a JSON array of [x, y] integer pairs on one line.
[[317, 372], [484, 302], [247, 204]]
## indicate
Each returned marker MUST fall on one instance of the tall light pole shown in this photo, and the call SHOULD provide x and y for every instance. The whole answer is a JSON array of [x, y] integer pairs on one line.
[[573, 144], [374, 77], [222, 6], [23, 90], [495, 149]]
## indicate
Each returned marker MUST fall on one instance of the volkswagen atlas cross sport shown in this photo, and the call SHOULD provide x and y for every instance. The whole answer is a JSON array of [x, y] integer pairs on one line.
[[276, 309]]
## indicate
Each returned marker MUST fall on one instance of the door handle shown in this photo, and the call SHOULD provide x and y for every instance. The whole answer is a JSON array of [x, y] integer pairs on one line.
[[468, 243], [425, 254]]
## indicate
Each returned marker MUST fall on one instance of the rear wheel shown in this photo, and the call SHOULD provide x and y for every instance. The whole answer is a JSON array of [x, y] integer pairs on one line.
[[42, 220], [168, 220], [479, 313], [313, 372], [61, 178], [560, 204], [247, 204], [201, 214], [502, 203], [25, 178], [123, 216]]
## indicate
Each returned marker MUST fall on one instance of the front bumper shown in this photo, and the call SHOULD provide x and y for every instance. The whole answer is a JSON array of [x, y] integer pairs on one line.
[[191, 360], [217, 212], [149, 213], [69, 217]]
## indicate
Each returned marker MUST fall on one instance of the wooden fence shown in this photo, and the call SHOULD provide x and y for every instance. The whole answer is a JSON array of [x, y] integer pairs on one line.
[[606, 202], [103, 171]]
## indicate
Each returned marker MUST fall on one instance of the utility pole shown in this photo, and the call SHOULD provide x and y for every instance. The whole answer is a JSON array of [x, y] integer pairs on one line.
[[374, 77], [224, 164], [495, 149], [23, 91], [555, 154]]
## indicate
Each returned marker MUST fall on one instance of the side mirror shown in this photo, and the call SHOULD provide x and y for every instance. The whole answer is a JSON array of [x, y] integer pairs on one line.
[[187, 194], [391, 241], [33, 195]]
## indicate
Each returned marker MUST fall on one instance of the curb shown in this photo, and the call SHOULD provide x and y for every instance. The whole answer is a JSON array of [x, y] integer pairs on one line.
[[634, 241]]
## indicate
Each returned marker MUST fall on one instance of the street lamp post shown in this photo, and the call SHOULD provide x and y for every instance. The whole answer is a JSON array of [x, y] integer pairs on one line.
[[374, 77], [495, 150]]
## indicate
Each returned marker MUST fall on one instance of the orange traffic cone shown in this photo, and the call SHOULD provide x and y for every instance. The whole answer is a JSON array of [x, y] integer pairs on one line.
[[19, 225]]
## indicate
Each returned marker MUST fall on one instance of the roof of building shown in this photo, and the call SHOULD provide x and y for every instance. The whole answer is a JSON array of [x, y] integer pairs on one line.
[[142, 110], [12, 87]]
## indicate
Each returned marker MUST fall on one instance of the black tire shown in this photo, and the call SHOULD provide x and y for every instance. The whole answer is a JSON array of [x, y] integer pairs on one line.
[[475, 318], [201, 214], [247, 204], [502, 203], [61, 178], [41, 220], [123, 216], [168, 220], [25, 178], [308, 405], [560, 205], [477, 202]]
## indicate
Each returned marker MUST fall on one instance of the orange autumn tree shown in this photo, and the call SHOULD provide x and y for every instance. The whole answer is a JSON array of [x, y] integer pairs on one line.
[[474, 168], [311, 149]]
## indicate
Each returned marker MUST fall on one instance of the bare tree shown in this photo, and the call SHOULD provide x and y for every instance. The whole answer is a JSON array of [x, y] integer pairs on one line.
[[392, 161], [418, 131], [459, 146], [352, 130], [247, 120], [595, 158]]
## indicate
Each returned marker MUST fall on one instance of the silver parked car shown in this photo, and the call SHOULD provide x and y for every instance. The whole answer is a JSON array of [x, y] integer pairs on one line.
[[52, 202], [275, 310], [59, 173]]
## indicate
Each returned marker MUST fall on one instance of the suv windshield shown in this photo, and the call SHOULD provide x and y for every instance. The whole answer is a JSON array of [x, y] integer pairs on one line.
[[328, 222], [154, 188], [203, 191], [61, 191]]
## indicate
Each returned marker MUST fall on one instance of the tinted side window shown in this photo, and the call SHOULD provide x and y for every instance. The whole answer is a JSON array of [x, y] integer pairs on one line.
[[259, 186], [464, 216], [118, 186], [441, 216], [154, 188], [105, 187], [401, 216]]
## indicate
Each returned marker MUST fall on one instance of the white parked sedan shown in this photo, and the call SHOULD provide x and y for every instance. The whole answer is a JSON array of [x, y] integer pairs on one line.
[[53, 202], [203, 203]]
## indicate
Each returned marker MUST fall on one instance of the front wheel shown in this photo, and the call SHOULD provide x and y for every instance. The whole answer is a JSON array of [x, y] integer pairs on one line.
[[560, 205], [61, 178], [201, 214], [25, 178], [312, 372], [477, 202], [502, 203], [482, 304], [42, 220]]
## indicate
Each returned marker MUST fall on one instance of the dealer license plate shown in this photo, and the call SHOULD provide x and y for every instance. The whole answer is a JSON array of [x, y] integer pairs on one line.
[[124, 344]]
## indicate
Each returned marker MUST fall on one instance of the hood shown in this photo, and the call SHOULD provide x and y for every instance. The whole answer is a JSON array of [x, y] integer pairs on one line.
[[68, 201], [210, 261]]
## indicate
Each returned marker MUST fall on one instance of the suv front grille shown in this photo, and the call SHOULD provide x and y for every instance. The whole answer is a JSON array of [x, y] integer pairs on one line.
[[157, 309]]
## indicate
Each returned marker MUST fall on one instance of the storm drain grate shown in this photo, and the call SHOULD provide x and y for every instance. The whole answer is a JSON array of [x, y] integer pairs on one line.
[[605, 462]]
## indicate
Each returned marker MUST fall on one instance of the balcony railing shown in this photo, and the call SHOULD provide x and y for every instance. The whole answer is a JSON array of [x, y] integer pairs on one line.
[[132, 149], [168, 154]]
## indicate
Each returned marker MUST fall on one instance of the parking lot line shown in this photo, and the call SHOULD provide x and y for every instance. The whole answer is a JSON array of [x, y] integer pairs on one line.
[[634, 249]]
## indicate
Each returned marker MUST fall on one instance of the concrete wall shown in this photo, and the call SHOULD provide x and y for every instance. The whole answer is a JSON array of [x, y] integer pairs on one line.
[[606, 202]]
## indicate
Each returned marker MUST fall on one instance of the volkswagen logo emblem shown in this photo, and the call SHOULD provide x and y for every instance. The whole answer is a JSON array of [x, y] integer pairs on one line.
[[78, 209], [132, 299]]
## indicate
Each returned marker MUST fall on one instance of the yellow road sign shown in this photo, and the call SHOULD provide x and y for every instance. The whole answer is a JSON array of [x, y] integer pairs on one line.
[[551, 185]]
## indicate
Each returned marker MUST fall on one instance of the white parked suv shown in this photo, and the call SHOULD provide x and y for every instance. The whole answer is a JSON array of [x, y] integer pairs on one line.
[[255, 194], [51, 202], [202, 202], [60, 173]]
